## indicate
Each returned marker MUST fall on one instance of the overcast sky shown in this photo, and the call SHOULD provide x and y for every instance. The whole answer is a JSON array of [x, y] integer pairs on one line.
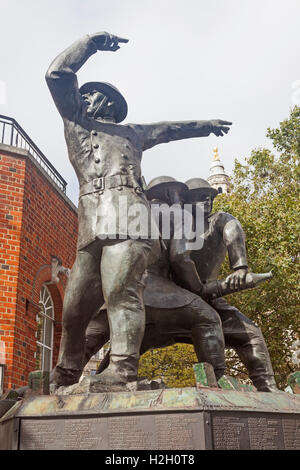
[[194, 59]]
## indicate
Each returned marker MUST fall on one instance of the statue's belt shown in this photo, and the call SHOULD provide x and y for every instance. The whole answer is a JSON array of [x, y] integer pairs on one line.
[[110, 182]]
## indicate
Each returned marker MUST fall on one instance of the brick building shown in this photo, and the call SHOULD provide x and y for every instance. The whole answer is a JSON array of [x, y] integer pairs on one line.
[[38, 226]]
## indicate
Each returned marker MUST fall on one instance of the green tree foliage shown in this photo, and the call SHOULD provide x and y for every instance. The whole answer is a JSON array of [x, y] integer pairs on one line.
[[174, 364], [265, 198]]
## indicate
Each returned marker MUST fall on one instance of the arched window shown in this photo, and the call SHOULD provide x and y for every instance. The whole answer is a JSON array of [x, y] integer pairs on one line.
[[44, 334], [220, 190]]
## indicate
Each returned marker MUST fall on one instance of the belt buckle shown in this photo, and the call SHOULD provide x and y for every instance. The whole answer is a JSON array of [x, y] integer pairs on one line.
[[98, 183]]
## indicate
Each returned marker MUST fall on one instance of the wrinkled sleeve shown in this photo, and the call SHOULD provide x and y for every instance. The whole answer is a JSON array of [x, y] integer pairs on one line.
[[167, 131], [235, 241], [62, 80]]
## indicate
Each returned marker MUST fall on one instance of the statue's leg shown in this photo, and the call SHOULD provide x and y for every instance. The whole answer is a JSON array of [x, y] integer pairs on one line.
[[207, 336], [97, 335], [83, 297], [198, 320], [152, 339], [122, 268], [246, 338]]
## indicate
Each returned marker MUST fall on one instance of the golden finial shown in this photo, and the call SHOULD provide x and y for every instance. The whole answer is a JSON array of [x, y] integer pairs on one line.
[[216, 153]]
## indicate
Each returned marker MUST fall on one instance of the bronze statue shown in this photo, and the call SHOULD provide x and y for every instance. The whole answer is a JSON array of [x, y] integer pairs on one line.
[[175, 315], [224, 234], [106, 157]]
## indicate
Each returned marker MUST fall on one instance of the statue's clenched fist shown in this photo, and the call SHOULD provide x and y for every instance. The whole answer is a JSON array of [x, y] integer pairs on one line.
[[107, 42], [237, 280]]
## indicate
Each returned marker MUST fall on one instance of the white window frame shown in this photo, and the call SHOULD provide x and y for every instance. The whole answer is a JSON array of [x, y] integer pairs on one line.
[[45, 294]]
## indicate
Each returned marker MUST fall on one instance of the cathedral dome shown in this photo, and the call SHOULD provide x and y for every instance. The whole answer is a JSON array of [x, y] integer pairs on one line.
[[218, 179]]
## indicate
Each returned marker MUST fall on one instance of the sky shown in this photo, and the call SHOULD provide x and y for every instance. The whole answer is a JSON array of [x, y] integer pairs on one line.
[[236, 60]]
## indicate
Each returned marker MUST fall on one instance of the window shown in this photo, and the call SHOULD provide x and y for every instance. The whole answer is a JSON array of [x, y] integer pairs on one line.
[[220, 190], [44, 334]]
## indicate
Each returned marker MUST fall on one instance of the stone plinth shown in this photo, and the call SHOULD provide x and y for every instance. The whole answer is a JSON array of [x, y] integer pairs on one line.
[[169, 419]]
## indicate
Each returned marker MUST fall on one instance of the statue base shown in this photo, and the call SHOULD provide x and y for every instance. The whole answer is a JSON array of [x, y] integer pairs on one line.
[[167, 419]]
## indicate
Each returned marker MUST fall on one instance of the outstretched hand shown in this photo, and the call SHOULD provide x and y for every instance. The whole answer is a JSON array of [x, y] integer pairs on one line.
[[107, 42], [219, 127]]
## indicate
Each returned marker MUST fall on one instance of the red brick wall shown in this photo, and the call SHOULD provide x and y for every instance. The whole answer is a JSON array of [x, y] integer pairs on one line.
[[37, 222], [12, 173]]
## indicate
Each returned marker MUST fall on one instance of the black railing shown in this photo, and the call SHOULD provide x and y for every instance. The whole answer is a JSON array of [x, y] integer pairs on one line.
[[11, 133]]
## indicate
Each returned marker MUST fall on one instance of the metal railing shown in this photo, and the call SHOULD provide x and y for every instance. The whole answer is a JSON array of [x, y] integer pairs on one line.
[[11, 133]]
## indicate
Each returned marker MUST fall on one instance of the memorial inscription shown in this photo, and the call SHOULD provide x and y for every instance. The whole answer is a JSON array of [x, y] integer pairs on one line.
[[123, 432], [83, 434], [179, 432], [291, 432], [229, 432], [183, 431], [40, 434], [265, 433], [258, 432]]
